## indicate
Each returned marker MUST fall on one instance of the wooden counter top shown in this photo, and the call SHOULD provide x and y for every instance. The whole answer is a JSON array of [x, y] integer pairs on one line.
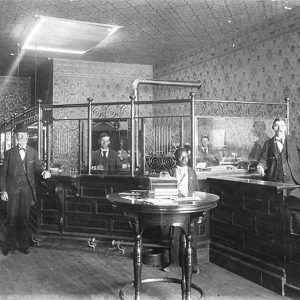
[[255, 179], [222, 170], [231, 173]]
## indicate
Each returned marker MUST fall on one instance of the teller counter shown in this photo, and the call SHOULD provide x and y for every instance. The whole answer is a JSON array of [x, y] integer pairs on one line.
[[76, 205], [254, 232], [223, 171]]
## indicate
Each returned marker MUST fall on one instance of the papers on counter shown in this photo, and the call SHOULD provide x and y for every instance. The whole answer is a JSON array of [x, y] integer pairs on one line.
[[131, 198], [134, 199], [129, 194], [162, 201]]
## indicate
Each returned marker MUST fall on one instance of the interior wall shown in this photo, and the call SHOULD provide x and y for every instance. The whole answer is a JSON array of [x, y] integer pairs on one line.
[[263, 66], [15, 95], [74, 81]]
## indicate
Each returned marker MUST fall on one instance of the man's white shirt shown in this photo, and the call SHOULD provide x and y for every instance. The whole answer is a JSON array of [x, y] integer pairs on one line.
[[183, 179]]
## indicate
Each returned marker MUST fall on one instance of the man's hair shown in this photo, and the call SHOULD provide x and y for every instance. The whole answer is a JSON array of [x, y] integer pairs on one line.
[[178, 152], [103, 134], [204, 137], [279, 119]]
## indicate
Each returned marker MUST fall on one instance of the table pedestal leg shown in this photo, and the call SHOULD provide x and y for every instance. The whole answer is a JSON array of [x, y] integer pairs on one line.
[[182, 246], [185, 259], [137, 266], [188, 267]]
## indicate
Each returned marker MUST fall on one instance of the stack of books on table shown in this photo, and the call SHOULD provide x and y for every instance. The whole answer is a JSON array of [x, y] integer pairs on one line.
[[165, 193], [164, 187]]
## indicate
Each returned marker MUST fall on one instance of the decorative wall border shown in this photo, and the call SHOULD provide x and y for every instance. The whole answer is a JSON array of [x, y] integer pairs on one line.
[[111, 111], [215, 108], [203, 108]]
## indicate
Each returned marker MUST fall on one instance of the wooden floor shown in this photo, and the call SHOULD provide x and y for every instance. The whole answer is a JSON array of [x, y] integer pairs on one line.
[[70, 273]]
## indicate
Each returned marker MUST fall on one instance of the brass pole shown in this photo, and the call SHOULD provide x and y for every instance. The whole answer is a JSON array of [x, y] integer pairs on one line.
[[192, 94], [47, 145], [4, 135], [12, 123], [89, 134], [137, 82], [132, 98], [287, 100], [39, 101]]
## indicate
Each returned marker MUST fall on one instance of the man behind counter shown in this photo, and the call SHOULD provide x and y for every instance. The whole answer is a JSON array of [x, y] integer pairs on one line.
[[280, 158], [105, 158], [206, 153]]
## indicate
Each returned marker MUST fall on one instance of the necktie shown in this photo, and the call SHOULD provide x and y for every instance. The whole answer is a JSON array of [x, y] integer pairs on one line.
[[205, 150], [104, 159]]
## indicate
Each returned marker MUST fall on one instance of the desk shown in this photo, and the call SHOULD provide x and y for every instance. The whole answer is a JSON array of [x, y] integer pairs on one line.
[[142, 211]]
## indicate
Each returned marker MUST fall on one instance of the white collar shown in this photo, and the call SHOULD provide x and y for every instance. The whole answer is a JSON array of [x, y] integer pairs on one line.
[[280, 139], [183, 168]]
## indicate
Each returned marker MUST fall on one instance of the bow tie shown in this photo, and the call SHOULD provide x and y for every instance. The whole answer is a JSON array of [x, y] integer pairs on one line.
[[24, 149]]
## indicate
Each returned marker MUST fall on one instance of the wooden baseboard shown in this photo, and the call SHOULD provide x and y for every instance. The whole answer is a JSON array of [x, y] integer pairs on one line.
[[292, 291], [265, 274]]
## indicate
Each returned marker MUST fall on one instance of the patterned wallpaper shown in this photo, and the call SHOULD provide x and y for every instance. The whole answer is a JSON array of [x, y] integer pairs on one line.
[[15, 95], [263, 67], [74, 81], [66, 149]]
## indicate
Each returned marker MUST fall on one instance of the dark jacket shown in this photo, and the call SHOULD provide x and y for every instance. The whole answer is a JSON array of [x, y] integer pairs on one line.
[[270, 156], [10, 171], [112, 161], [210, 158]]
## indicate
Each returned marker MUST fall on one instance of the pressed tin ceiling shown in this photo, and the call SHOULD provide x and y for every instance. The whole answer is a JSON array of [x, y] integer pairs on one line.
[[153, 32]]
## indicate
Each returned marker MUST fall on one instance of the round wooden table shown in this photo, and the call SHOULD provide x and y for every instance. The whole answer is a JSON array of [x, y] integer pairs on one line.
[[143, 211]]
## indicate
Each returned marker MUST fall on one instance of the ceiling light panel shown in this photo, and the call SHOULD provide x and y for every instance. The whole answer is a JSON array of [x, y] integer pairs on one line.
[[66, 36]]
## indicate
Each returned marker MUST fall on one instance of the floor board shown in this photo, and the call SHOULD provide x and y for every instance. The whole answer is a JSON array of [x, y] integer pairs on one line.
[[53, 273]]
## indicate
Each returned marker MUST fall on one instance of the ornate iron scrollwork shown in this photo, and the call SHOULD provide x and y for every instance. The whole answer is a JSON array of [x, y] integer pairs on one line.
[[157, 163]]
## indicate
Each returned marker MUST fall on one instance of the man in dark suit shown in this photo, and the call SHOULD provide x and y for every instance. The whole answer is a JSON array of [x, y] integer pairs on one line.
[[206, 153], [17, 187], [105, 158], [280, 158]]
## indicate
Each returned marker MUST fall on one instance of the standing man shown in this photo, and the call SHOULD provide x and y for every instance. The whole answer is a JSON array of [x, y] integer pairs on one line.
[[105, 158], [17, 187], [280, 158]]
